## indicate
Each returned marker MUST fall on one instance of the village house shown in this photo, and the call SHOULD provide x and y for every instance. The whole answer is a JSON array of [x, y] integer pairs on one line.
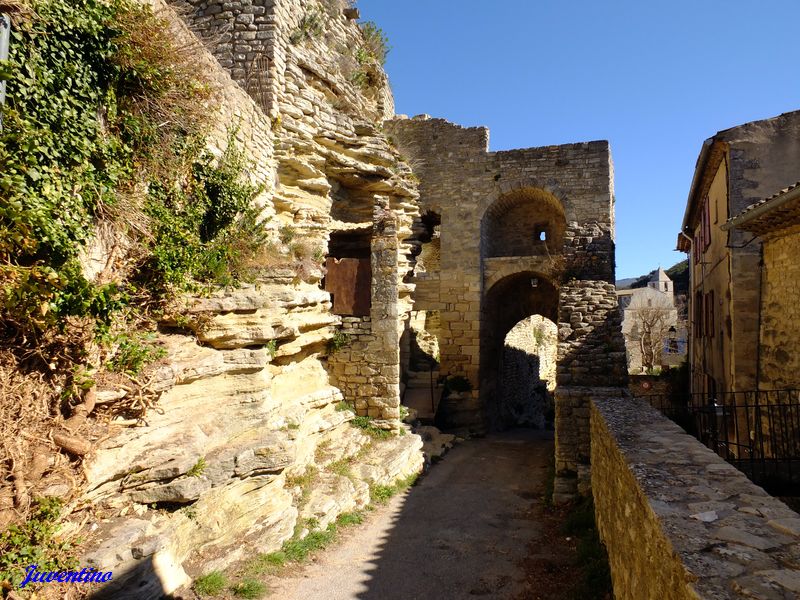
[[737, 168], [776, 221]]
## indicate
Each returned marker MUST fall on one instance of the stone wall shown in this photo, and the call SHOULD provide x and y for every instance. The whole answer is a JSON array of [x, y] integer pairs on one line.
[[679, 522], [780, 313], [367, 368], [460, 180], [334, 169]]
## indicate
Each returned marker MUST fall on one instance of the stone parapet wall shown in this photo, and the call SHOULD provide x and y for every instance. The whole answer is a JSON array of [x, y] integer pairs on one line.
[[678, 521], [572, 438]]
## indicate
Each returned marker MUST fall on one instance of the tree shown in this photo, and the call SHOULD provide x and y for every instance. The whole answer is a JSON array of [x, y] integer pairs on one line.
[[652, 319]]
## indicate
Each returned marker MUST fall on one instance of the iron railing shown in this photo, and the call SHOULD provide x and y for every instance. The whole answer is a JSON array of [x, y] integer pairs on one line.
[[756, 431]]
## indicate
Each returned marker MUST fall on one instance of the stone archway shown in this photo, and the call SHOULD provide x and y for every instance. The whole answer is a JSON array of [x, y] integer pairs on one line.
[[506, 217], [527, 375], [525, 222], [508, 302]]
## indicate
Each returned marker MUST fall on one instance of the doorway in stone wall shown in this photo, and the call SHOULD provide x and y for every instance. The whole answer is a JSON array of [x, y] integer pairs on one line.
[[514, 310], [527, 375]]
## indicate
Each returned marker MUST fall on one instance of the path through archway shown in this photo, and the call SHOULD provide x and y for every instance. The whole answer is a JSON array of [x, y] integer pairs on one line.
[[510, 301], [528, 375]]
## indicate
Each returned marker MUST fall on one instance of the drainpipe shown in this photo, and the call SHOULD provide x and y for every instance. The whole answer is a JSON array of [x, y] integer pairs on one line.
[[690, 314], [763, 268], [5, 30]]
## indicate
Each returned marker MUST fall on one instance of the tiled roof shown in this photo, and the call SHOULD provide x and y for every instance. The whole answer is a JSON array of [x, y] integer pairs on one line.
[[778, 211]]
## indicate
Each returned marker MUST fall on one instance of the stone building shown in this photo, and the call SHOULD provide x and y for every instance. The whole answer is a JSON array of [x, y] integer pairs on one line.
[[736, 168], [776, 222], [650, 324], [520, 233]]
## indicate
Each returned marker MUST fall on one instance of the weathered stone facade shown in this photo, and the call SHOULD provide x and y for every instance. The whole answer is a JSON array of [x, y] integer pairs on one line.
[[776, 222], [522, 232], [737, 168], [296, 58], [678, 522], [780, 314]]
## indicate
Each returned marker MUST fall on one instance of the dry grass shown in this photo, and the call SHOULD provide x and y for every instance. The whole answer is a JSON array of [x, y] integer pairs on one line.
[[171, 94], [30, 462]]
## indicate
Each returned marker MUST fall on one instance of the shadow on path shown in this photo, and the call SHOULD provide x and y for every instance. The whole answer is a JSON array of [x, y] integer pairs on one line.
[[463, 531]]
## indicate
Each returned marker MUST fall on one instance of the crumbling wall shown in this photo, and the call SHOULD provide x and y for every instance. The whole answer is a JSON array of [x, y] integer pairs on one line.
[[568, 189]]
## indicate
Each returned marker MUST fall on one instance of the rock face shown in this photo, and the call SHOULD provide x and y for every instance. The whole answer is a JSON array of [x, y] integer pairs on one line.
[[250, 441]]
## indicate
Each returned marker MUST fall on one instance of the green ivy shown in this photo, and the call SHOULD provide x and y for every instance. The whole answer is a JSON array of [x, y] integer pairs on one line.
[[34, 542], [101, 102], [204, 230], [72, 137]]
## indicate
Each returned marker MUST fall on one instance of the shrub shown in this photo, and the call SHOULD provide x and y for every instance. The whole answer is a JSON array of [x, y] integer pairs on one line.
[[311, 25], [338, 341], [367, 425], [208, 229], [134, 352], [376, 44], [198, 468]]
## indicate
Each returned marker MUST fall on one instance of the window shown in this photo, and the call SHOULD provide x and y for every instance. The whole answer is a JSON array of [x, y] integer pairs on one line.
[[706, 225], [696, 250], [698, 315], [710, 314]]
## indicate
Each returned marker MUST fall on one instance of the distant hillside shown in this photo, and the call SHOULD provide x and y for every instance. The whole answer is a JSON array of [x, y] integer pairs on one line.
[[679, 273], [624, 284]]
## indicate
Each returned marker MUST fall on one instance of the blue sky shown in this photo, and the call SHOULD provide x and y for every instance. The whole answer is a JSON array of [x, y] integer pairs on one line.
[[653, 78]]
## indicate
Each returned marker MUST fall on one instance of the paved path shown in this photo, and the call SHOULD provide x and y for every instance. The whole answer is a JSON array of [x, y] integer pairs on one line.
[[460, 533]]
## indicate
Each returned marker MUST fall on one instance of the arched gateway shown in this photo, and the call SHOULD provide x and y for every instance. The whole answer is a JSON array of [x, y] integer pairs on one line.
[[521, 233]]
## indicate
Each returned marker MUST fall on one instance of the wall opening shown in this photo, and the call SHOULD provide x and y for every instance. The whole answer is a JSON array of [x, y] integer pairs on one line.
[[348, 274], [528, 374], [512, 300], [526, 222]]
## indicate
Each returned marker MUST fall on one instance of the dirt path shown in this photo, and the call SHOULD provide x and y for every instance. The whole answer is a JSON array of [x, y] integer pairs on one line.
[[464, 531]]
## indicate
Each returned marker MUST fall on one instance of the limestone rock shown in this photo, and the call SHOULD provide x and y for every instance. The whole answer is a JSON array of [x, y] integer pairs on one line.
[[180, 491], [333, 495], [435, 443], [392, 459]]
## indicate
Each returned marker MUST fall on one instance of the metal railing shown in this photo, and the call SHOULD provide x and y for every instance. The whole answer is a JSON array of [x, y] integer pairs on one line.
[[756, 431]]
